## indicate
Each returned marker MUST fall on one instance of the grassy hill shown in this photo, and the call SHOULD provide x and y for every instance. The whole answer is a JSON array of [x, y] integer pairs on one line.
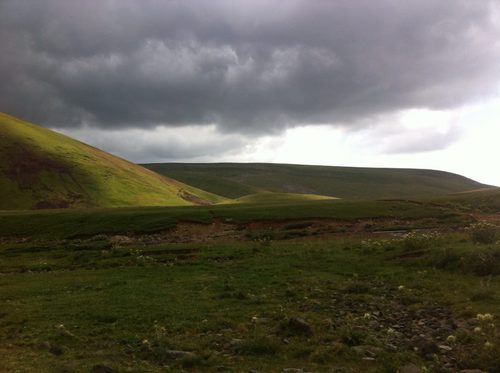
[[40, 168], [234, 180], [271, 198]]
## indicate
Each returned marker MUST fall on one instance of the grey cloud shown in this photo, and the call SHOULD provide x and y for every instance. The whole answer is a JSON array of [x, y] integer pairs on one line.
[[160, 144], [420, 141], [248, 66]]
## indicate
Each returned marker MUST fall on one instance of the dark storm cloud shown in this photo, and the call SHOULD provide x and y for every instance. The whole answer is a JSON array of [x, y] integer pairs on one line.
[[248, 66]]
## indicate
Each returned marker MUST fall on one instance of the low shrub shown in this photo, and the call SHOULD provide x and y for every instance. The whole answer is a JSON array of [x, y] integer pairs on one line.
[[259, 346], [484, 233], [420, 241], [482, 263]]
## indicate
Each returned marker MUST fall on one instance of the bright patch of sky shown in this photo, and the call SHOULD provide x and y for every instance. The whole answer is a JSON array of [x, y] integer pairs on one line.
[[464, 141]]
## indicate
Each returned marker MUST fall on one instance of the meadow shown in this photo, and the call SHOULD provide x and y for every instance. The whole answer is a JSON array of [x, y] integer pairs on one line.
[[318, 286]]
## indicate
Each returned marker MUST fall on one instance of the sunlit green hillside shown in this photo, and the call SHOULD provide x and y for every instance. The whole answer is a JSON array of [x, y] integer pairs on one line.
[[40, 168]]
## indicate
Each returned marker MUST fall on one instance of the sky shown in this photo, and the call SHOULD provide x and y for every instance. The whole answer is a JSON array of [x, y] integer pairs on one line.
[[379, 83]]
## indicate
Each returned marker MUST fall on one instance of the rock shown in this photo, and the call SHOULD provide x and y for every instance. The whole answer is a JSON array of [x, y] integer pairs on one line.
[[337, 370], [56, 349], [298, 326], [45, 345], [175, 354], [410, 368], [118, 240], [445, 348], [102, 369], [369, 351], [235, 342], [426, 346], [293, 370], [471, 371], [260, 320], [223, 368]]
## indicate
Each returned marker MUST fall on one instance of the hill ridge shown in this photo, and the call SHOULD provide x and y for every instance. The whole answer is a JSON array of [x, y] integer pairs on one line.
[[235, 180], [41, 168]]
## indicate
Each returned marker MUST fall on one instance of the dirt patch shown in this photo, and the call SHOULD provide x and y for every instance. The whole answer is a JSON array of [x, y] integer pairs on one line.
[[193, 199], [227, 231]]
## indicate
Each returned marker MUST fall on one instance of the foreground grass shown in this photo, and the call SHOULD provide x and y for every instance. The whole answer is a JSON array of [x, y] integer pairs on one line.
[[355, 305]]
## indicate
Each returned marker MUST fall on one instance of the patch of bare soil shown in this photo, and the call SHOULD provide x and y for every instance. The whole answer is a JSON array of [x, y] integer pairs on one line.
[[227, 231], [193, 199]]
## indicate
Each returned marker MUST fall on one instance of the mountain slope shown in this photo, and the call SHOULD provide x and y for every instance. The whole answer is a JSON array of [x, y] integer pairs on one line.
[[234, 180], [40, 168]]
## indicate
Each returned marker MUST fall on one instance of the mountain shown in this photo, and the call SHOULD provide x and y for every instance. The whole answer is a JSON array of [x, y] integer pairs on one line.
[[40, 168], [235, 180]]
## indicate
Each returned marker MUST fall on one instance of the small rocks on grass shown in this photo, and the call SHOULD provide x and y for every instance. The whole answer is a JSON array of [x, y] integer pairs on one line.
[[298, 326], [260, 320], [445, 348], [175, 354], [426, 346], [367, 351], [99, 368], [236, 342], [410, 368], [55, 349]]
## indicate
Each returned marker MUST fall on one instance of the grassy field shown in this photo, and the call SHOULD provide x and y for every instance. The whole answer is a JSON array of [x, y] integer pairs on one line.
[[40, 168], [137, 220], [281, 198], [234, 180], [347, 304]]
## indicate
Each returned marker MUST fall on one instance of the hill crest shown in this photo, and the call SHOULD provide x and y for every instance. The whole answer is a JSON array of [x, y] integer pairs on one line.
[[235, 180], [40, 168]]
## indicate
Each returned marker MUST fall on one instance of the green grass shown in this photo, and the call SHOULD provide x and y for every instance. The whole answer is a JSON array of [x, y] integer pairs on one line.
[[88, 222], [234, 180], [68, 306], [40, 168], [281, 198], [486, 200], [74, 296]]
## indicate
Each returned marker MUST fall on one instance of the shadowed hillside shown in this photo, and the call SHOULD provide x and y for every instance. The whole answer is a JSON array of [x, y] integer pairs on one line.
[[40, 168], [234, 180]]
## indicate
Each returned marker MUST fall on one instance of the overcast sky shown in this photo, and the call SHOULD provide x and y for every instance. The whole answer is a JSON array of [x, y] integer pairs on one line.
[[338, 82]]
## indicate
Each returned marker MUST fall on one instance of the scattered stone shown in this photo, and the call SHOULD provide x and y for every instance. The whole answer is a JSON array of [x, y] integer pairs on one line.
[[369, 351], [298, 326], [426, 346], [445, 347], [410, 368], [260, 320], [45, 345], [102, 369], [235, 342], [222, 368], [338, 370], [175, 354], [56, 349], [119, 240]]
